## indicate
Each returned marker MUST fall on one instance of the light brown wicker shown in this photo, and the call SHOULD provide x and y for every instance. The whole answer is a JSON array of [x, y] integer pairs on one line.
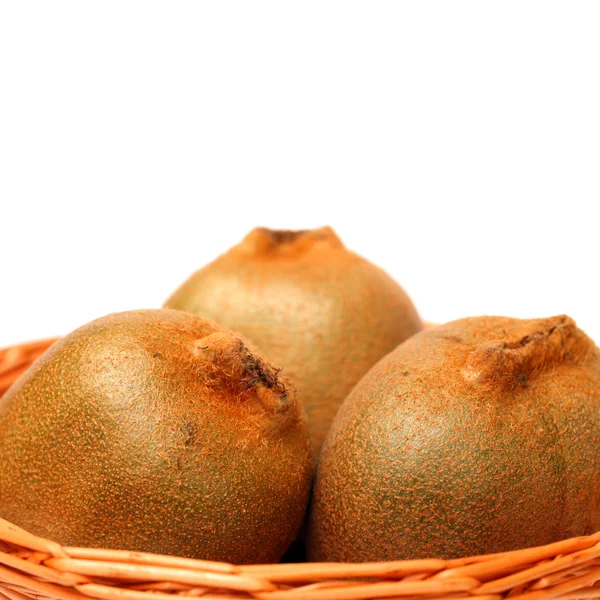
[[32, 567], [16, 360]]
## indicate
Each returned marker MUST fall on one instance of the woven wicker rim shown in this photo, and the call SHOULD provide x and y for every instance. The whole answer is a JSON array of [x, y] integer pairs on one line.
[[32, 567]]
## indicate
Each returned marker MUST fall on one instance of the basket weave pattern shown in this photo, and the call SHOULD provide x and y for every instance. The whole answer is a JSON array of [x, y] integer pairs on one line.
[[16, 360], [32, 567]]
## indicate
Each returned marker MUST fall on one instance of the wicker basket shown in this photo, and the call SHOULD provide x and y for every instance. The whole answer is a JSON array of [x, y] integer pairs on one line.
[[31, 567]]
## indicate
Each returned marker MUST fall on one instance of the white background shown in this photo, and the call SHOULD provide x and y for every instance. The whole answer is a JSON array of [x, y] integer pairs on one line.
[[456, 144]]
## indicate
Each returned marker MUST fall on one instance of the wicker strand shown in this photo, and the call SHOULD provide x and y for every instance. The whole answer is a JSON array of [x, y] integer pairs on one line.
[[32, 568], [14, 361]]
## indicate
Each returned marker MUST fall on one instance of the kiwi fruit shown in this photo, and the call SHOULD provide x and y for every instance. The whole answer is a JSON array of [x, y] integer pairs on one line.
[[313, 307], [478, 436], [156, 431]]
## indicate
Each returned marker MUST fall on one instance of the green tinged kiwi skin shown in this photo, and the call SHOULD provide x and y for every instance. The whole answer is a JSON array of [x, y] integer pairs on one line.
[[313, 307], [156, 431], [478, 436]]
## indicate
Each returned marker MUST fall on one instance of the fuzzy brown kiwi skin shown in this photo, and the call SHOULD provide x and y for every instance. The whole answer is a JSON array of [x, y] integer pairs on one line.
[[320, 311], [479, 436], [156, 431]]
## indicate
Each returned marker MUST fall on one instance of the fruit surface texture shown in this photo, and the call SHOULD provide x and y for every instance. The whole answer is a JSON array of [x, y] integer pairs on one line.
[[475, 437], [156, 431], [316, 309]]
